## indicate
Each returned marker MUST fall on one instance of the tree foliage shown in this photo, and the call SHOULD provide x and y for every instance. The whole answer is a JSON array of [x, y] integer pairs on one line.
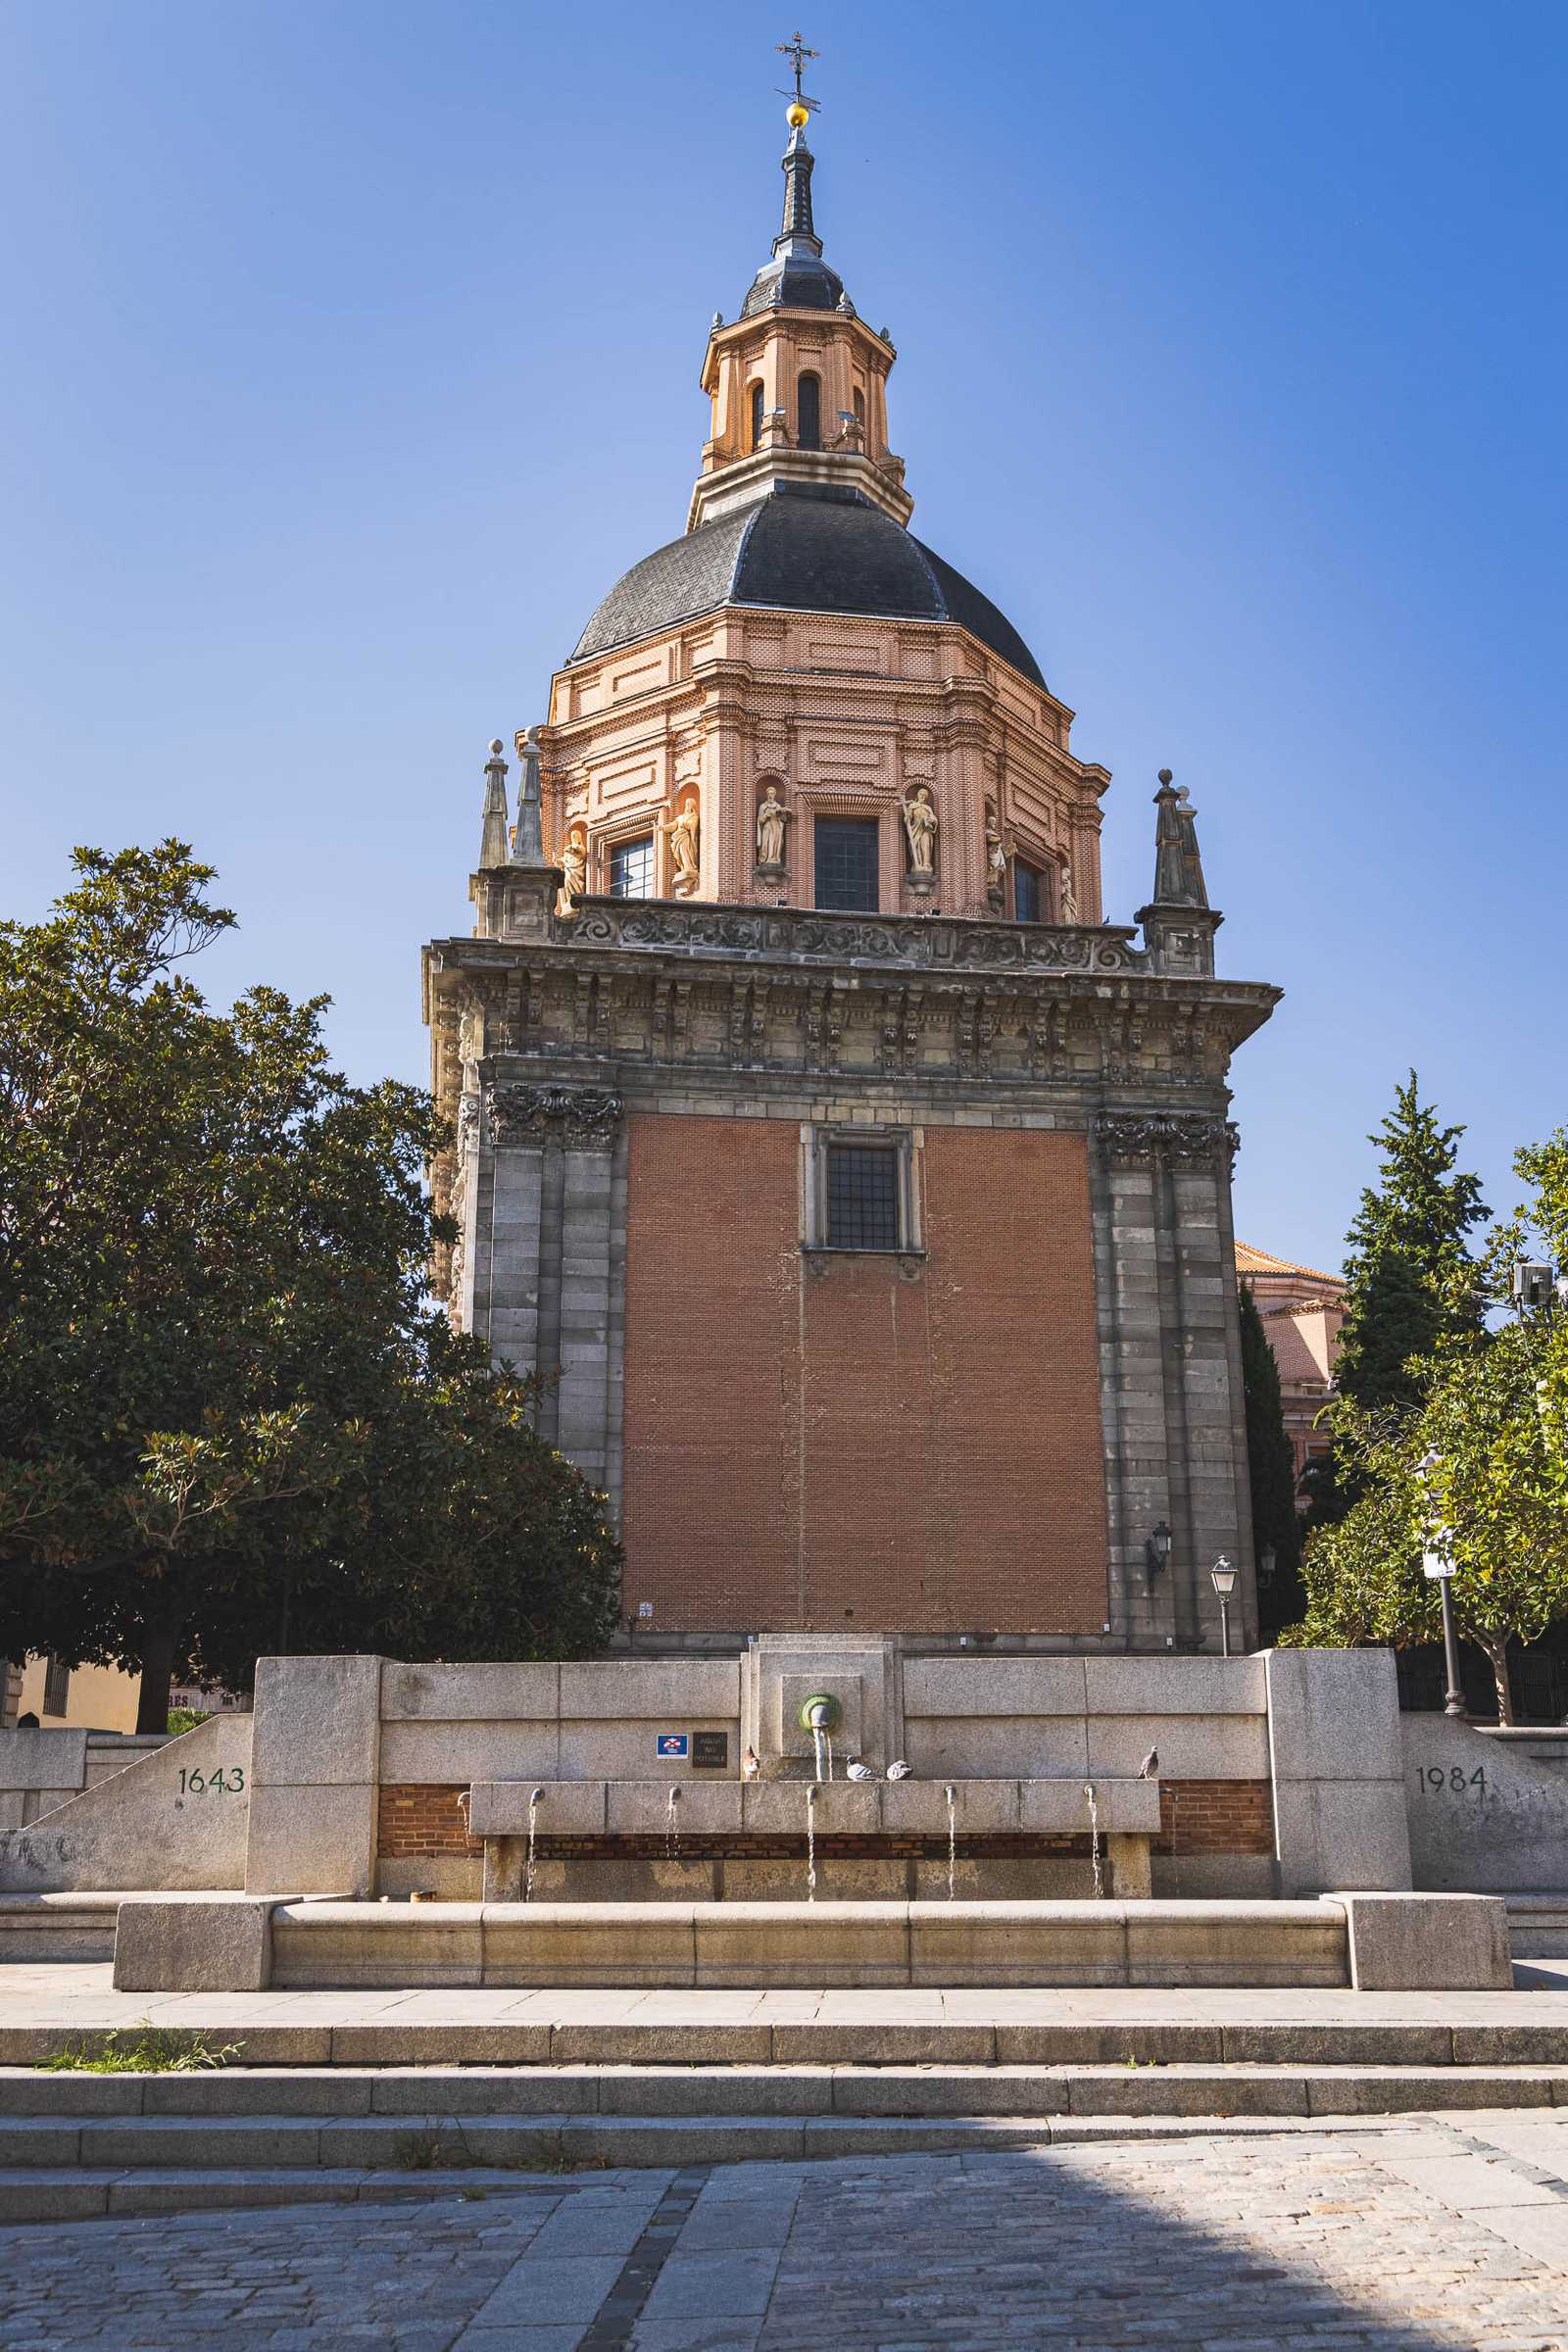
[[1474, 1461], [228, 1419], [1271, 1470], [1410, 1283]]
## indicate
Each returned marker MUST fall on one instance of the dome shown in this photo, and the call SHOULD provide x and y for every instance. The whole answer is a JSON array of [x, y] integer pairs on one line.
[[805, 547]]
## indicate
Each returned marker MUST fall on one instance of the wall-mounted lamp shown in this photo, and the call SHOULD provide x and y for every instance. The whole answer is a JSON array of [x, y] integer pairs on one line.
[[1156, 1548], [1268, 1561]]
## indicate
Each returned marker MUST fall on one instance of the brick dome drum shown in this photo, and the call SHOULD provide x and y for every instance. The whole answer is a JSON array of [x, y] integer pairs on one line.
[[803, 548]]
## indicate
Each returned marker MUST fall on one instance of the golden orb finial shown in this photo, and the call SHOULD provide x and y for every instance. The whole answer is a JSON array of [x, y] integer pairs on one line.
[[796, 115]]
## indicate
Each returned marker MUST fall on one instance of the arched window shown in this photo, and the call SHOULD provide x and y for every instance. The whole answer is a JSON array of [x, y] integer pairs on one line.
[[860, 408], [807, 413], [757, 416]]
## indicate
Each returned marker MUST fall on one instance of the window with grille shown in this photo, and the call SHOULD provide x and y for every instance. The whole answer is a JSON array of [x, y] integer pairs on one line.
[[807, 413], [1025, 892], [631, 868], [862, 1197], [846, 851], [56, 1686]]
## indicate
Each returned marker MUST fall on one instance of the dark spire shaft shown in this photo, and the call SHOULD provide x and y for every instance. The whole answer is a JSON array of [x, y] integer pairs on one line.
[[798, 233]]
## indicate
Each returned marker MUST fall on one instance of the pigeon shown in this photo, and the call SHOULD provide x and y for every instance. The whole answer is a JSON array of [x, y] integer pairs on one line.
[[750, 1765], [1148, 1769], [899, 1771], [861, 1771]]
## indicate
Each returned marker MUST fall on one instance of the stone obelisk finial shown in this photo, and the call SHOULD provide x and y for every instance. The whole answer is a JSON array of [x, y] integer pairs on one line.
[[527, 844], [493, 839]]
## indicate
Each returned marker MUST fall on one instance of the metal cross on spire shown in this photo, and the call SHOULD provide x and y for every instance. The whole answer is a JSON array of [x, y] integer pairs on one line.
[[797, 52]]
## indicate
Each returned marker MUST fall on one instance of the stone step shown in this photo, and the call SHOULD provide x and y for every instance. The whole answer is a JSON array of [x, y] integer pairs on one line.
[[1537, 1926], [650, 2116], [45, 2193], [58, 1927]]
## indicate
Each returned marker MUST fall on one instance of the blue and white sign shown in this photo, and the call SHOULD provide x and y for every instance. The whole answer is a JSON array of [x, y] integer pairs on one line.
[[673, 1743]]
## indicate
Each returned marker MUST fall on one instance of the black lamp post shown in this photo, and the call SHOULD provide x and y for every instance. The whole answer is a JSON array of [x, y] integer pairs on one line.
[[1224, 1574], [1436, 1564]]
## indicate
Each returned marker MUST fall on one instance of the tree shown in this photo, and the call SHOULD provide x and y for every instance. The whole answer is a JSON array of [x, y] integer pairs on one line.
[[219, 1373], [1410, 1281], [1476, 1465]]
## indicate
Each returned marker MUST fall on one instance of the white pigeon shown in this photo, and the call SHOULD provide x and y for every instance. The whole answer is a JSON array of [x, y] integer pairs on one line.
[[750, 1765], [899, 1771], [859, 1771], [1148, 1769]]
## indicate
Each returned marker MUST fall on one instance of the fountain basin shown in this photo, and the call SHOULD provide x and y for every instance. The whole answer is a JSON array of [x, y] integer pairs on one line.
[[810, 1945]]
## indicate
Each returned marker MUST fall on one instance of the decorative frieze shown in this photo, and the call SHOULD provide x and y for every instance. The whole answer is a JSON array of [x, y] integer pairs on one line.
[[796, 933], [586, 1117], [1167, 1134]]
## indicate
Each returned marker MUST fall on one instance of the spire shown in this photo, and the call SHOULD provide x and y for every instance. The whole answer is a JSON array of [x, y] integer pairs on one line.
[[493, 839], [798, 233], [1178, 867], [527, 843]]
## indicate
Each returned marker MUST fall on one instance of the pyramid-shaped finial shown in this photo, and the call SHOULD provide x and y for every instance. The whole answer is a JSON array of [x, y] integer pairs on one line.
[[493, 837], [527, 843]]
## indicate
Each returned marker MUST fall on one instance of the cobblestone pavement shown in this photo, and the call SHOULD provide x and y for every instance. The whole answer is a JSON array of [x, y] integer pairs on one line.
[[1453, 2232]]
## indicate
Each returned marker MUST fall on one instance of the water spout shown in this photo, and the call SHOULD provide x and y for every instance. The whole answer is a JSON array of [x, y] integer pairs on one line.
[[953, 1841], [1094, 1839], [672, 1827], [535, 1800], [817, 1736], [810, 1842]]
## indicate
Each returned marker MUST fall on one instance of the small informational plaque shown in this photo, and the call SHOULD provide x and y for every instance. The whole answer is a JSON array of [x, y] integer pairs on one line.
[[672, 1744], [711, 1752]]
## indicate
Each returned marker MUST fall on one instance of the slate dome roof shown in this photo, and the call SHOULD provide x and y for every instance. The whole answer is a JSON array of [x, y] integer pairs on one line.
[[803, 548]]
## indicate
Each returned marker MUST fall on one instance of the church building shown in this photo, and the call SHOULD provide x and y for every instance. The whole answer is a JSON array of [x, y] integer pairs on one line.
[[861, 1193]]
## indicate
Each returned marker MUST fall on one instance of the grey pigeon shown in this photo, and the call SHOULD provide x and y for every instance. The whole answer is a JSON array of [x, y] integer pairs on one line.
[[899, 1771], [860, 1772], [1148, 1769]]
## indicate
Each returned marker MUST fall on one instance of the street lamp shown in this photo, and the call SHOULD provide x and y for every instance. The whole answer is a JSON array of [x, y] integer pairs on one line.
[[1224, 1575], [1436, 1564]]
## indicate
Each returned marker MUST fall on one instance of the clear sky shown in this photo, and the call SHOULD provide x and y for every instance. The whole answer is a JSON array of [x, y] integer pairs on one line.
[[352, 353]]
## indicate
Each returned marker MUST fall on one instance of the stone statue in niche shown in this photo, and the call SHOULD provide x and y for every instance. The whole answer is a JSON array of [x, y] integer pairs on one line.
[[1068, 895], [996, 859], [921, 824], [470, 1037], [684, 830], [771, 818], [574, 868]]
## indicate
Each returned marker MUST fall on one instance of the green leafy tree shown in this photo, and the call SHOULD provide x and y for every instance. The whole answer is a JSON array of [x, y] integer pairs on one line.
[[221, 1385], [1476, 1464], [1271, 1469], [1410, 1282]]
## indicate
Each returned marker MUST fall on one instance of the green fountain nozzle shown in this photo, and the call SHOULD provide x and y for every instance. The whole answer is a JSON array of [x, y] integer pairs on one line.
[[820, 1712]]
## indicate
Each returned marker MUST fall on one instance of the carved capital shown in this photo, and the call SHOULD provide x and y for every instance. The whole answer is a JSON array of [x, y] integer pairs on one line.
[[1167, 1135], [583, 1118]]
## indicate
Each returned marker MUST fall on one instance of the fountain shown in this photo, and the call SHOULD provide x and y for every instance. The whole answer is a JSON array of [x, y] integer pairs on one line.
[[672, 1827], [820, 1714], [535, 1800], [811, 1842], [1094, 1837], [953, 1841]]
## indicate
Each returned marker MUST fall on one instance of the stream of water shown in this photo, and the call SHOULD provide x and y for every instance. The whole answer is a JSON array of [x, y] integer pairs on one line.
[[672, 1827], [1094, 1839], [811, 1842], [953, 1841], [533, 1815]]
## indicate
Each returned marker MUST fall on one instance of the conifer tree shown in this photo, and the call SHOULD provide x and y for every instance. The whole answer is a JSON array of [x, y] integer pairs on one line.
[[1410, 1281], [1271, 1470]]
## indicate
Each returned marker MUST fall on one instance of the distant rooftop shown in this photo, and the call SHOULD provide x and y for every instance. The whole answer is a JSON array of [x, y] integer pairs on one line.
[[1261, 1262]]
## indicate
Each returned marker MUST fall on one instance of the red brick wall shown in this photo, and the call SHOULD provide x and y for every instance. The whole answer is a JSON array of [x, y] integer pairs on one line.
[[422, 1820], [1216, 1817], [856, 1452]]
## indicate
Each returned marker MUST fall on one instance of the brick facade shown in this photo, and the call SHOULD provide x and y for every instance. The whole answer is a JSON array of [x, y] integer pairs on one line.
[[889, 1443], [1215, 1817], [423, 1821]]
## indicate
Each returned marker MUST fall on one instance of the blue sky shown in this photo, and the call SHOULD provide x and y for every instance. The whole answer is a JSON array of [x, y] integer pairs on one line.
[[351, 353]]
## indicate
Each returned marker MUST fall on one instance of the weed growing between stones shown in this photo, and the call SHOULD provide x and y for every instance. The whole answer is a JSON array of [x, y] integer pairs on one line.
[[139, 2049]]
